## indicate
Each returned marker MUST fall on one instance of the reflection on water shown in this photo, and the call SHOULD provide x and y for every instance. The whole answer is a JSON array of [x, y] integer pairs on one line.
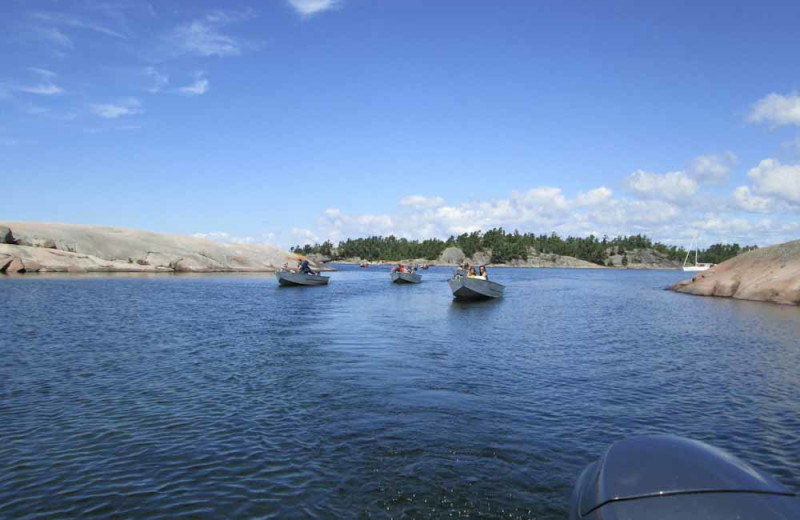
[[220, 396]]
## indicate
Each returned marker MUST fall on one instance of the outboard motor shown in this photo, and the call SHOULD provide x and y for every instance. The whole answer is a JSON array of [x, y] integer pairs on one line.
[[663, 477]]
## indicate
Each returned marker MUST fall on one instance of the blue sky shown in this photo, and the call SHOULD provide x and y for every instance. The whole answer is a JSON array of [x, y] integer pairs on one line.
[[294, 120]]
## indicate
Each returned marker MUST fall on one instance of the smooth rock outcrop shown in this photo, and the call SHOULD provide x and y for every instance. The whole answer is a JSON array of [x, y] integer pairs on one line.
[[6, 236], [552, 260], [451, 255], [15, 266], [318, 258], [644, 259], [72, 248], [770, 274], [455, 256]]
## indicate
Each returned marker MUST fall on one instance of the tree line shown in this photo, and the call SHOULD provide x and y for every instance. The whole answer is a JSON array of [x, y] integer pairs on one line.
[[506, 246]]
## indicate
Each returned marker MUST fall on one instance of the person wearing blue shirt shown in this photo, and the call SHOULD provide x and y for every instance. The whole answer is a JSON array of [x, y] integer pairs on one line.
[[306, 268]]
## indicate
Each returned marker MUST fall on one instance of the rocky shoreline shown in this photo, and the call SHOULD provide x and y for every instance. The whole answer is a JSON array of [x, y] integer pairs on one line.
[[34, 247], [769, 274], [453, 256]]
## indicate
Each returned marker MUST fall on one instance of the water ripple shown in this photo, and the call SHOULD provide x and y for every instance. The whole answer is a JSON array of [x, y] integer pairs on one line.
[[187, 397]]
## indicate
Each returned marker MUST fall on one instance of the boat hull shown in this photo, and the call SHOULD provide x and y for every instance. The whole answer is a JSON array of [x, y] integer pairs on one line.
[[695, 268], [289, 279], [401, 278], [475, 289]]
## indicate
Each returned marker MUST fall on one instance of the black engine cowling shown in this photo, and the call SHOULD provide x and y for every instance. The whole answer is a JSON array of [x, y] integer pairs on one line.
[[658, 477]]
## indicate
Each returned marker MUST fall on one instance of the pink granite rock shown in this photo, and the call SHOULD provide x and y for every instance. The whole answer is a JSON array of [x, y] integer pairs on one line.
[[770, 274]]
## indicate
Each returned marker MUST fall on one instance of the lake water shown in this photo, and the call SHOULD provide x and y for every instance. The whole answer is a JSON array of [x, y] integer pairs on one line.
[[227, 397]]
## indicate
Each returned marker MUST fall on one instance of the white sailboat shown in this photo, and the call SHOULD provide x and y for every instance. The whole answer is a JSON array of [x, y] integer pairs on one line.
[[698, 266]]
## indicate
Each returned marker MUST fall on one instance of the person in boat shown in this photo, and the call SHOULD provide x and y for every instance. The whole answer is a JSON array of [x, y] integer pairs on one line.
[[482, 273], [306, 268], [471, 273]]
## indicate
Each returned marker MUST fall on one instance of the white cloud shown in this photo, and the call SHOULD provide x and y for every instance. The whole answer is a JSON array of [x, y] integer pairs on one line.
[[201, 39], [302, 236], [595, 197], [712, 169], [203, 36], [747, 201], [199, 87], [48, 74], [793, 145], [213, 235], [225, 238], [773, 179], [64, 20], [648, 212], [223, 16], [53, 35], [159, 80], [47, 87], [128, 107], [724, 225], [420, 201], [672, 186], [776, 110], [43, 89], [543, 209], [118, 128], [312, 7], [624, 216], [726, 228], [542, 199], [109, 111], [598, 211]]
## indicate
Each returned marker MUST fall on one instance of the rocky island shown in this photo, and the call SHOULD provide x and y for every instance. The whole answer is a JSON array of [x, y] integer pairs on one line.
[[30, 247], [499, 248], [641, 258], [770, 274]]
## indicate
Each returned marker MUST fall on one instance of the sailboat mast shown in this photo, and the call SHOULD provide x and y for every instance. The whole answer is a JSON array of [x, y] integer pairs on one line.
[[696, 248], [689, 252]]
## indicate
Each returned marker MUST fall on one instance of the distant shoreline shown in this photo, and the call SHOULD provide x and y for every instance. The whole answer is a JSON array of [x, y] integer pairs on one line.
[[506, 266], [641, 258], [39, 247]]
